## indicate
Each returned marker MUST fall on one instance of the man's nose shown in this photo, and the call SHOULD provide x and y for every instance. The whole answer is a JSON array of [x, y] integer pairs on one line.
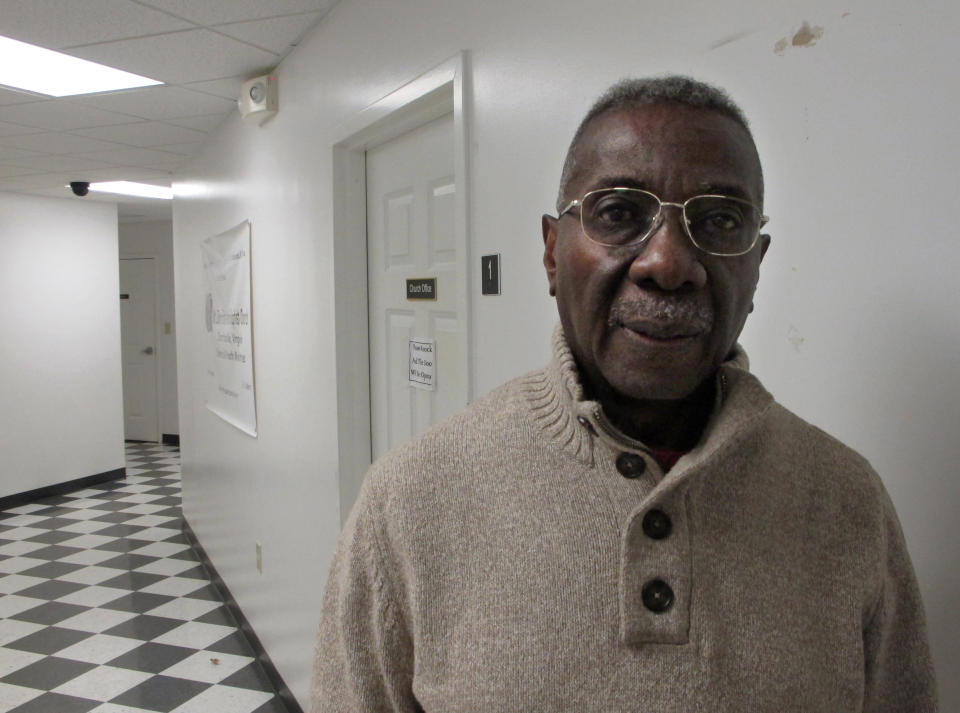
[[668, 258]]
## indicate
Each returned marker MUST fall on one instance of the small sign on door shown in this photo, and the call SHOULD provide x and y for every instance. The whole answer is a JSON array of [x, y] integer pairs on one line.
[[422, 288], [422, 367]]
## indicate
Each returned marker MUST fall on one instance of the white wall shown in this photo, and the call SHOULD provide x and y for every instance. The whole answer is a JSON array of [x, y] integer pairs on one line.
[[61, 399], [155, 239], [856, 325]]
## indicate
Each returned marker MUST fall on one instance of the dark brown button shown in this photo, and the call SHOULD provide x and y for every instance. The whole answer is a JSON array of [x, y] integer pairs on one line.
[[657, 596], [631, 465], [657, 524]]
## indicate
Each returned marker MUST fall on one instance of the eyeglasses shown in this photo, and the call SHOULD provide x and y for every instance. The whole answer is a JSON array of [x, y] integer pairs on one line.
[[621, 217]]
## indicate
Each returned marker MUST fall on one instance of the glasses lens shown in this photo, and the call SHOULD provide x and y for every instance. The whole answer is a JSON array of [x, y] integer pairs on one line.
[[721, 225], [619, 216]]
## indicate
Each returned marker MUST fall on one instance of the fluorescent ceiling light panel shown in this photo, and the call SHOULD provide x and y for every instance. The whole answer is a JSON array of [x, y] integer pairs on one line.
[[128, 188], [35, 69]]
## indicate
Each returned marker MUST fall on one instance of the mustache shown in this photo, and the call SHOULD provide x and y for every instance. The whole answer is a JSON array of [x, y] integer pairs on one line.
[[662, 315]]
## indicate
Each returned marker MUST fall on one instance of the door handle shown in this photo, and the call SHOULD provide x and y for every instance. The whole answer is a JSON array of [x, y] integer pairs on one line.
[[147, 350]]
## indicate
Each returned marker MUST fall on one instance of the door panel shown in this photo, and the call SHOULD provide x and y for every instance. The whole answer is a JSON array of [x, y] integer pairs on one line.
[[411, 198], [138, 293], [401, 325]]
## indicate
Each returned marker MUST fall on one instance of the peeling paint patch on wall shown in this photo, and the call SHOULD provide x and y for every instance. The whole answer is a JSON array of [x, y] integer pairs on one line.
[[806, 36]]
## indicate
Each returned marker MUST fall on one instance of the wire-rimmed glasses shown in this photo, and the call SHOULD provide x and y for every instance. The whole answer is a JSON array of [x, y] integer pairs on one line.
[[716, 224]]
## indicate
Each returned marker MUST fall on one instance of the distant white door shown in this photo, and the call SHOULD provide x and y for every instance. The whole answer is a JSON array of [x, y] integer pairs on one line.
[[410, 231], [138, 314]]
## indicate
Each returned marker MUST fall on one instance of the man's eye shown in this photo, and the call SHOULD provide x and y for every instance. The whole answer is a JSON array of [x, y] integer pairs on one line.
[[613, 214], [720, 221]]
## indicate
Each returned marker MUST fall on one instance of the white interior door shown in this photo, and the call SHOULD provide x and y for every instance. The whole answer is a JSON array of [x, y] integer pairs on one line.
[[411, 195], [138, 314]]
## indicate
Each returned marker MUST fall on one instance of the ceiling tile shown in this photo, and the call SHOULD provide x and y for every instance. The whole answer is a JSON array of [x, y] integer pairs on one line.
[[130, 173], [9, 170], [178, 57], [204, 49], [169, 167], [40, 180], [162, 103], [144, 134], [12, 96], [276, 34], [135, 157], [15, 129], [67, 23], [228, 88], [136, 173], [60, 115], [182, 149], [214, 12], [49, 142], [205, 123], [10, 153], [45, 164]]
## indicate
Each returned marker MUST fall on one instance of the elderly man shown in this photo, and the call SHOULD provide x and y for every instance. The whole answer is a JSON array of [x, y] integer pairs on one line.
[[638, 526]]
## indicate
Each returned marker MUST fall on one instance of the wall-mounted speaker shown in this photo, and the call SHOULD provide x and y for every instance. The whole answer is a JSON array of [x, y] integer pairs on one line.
[[258, 98]]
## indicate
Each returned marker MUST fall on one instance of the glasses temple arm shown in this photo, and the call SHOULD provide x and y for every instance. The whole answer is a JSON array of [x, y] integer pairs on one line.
[[568, 207]]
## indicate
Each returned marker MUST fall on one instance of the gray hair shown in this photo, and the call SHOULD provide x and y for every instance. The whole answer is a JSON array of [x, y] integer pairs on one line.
[[628, 93]]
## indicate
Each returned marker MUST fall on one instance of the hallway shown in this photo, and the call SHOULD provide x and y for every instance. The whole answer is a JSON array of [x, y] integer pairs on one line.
[[105, 608]]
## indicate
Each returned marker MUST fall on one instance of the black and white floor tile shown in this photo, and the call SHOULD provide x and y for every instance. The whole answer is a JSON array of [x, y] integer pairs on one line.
[[105, 608]]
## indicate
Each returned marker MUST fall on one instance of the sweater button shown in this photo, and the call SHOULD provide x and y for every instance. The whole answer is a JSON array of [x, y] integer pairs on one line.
[[657, 524], [631, 465], [657, 596]]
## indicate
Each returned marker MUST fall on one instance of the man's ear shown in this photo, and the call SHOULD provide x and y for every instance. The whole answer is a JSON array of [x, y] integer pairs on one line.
[[549, 226], [764, 244]]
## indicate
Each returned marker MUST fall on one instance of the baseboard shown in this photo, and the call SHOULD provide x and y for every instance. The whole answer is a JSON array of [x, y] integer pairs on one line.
[[171, 439], [291, 703], [12, 501]]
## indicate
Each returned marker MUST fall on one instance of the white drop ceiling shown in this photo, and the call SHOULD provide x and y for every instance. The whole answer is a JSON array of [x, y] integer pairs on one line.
[[202, 49]]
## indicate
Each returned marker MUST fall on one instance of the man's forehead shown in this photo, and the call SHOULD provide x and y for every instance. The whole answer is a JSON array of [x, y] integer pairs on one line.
[[658, 117], [619, 145]]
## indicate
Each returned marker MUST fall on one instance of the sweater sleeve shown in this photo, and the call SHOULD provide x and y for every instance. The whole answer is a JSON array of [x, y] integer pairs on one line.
[[364, 654], [899, 675]]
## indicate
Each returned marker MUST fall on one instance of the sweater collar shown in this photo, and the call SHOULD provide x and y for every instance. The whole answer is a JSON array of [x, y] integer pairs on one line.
[[574, 423]]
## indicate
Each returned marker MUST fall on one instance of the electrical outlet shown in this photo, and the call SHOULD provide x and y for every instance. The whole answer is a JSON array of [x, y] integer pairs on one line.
[[260, 558]]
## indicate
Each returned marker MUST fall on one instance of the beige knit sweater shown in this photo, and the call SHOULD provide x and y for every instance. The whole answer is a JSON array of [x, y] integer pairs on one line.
[[500, 562]]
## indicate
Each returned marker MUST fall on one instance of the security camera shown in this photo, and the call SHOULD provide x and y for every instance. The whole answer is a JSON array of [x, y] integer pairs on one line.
[[80, 188]]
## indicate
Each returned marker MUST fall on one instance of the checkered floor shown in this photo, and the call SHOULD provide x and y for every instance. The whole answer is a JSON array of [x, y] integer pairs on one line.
[[104, 607]]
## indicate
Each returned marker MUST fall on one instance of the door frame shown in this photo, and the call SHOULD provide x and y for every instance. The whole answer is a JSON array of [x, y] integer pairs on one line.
[[155, 260], [429, 96]]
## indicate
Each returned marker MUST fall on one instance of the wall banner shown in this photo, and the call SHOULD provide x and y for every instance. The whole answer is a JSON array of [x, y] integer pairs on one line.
[[229, 386]]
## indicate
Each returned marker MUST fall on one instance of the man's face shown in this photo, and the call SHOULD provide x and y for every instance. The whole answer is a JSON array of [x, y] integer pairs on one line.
[[652, 322]]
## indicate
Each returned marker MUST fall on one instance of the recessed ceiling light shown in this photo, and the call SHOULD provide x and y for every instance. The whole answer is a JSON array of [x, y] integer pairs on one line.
[[128, 188], [43, 71]]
